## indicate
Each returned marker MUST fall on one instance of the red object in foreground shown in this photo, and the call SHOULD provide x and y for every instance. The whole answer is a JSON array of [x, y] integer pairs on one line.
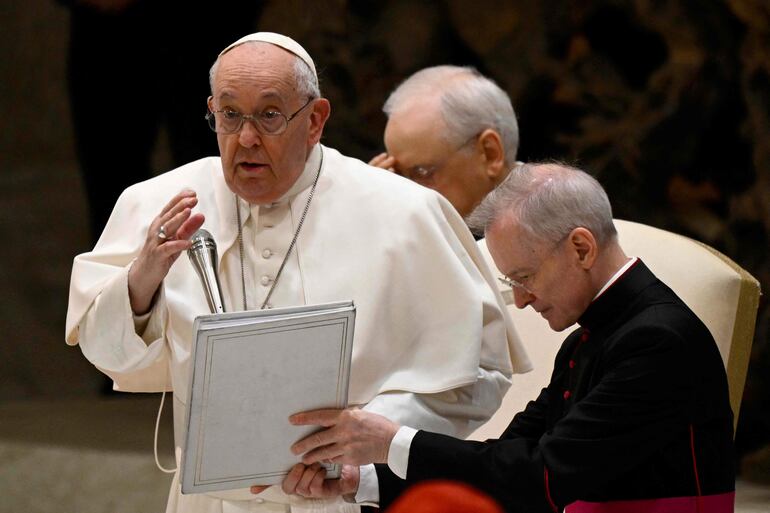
[[442, 496]]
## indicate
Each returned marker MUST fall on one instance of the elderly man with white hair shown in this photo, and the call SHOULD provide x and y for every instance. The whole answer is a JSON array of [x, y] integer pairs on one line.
[[453, 130], [296, 223]]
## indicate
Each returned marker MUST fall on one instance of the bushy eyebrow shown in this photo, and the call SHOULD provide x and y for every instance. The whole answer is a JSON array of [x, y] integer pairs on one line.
[[269, 96], [513, 274]]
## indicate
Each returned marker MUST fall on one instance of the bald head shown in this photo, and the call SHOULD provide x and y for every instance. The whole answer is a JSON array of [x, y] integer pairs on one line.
[[464, 101]]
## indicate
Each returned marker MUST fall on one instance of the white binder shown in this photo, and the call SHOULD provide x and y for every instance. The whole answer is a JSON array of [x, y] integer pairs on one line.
[[249, 372]]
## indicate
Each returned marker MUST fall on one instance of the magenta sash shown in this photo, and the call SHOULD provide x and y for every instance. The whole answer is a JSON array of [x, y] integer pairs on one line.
[[720, 503]]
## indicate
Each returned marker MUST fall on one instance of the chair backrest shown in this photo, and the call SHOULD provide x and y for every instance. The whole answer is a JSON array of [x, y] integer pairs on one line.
[[720, 292]]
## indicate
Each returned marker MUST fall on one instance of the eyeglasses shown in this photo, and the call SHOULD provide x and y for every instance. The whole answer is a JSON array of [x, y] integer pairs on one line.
[[521, 283], [269, 122], [525, 281]]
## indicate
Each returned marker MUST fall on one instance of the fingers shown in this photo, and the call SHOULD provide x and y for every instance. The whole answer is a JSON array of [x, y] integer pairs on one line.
[[331, 452], [324, 418], [181, 195], [291, 480], [173, 216], [310, 481], [190, 226], [307, 481], [258, 489], [314, 473], [318, 487], [314, 441], [384, 161], [377, 159]]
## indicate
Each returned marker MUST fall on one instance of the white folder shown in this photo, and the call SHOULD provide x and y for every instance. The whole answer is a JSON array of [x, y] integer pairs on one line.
[[250, 371]]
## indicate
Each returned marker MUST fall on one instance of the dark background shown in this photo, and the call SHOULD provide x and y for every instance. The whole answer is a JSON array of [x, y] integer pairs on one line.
[[667, 103]]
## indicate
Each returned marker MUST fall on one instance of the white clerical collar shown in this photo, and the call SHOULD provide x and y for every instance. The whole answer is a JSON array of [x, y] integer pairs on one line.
[[617, 275]]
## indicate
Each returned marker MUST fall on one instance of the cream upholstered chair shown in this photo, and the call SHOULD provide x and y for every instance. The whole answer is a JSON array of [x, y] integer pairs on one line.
[[720, 292]]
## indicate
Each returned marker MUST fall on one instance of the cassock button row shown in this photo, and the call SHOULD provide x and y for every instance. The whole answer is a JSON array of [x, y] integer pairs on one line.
[[572, 364], [266, 253], [584, 336], [265, 280], [567, 393]]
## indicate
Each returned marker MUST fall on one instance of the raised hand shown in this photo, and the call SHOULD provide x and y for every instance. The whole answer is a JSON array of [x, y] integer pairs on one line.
[[384, 161], [167, 236]]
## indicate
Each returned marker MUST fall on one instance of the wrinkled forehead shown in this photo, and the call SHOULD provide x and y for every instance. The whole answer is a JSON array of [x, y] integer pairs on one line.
[[278, 40], [505, 235], [256, 66], [417, 129]]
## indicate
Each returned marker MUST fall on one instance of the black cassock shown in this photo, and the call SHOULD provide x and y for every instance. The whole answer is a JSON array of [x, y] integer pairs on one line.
[[638, 399]]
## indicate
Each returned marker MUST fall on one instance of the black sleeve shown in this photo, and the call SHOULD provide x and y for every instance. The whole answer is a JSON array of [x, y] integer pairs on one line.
[[390, 485], [629, 413], [530, 422]]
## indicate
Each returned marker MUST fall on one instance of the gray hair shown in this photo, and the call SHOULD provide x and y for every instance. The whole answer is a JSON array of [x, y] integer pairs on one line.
[[306, 80], [470, 104], [548, 200]]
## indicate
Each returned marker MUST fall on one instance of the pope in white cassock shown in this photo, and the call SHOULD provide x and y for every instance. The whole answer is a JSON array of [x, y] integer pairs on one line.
[[295, 223]]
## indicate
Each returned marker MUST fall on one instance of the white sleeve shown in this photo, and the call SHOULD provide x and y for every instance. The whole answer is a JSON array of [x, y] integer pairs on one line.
[[398, 452], [368, 486], [108, 338], [456, 412]]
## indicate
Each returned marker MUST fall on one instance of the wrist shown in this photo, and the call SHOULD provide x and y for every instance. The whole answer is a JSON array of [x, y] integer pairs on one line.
[[141, 296], [350, 486]]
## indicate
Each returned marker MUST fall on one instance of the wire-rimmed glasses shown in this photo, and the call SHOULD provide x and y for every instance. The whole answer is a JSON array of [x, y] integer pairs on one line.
[[268, 122]]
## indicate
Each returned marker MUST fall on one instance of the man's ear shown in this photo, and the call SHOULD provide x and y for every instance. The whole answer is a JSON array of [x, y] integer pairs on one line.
[[583, 243], [491, 150], [318, 116]]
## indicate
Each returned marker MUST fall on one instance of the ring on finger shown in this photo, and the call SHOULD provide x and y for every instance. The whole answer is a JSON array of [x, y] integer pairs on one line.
[[162, 233]]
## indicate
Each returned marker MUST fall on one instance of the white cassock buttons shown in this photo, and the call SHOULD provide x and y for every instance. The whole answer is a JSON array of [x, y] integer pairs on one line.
[[266, 253], [265, 280]]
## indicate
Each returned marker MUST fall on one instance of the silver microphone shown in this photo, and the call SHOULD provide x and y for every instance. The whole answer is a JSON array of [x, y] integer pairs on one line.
[[203, 256]]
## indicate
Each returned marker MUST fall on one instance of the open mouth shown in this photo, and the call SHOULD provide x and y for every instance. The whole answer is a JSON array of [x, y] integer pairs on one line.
[[253, 167]]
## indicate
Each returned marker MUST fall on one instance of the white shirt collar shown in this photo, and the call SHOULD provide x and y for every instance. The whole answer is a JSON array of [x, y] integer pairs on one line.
[[617, 275]]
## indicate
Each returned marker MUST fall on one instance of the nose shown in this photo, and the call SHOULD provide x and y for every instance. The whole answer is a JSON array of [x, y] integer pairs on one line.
[[249, 135], [522, 297]]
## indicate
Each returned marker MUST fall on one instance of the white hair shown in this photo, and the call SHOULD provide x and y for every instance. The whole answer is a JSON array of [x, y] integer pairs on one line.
[[306, 81], [548, 200], [470, 104]]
